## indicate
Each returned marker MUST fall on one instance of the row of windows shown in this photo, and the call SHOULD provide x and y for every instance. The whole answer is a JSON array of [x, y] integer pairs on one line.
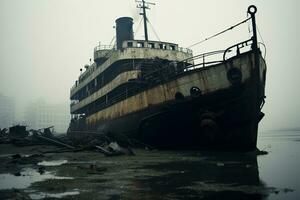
[[102, 79], [120, 93], [129, 89], [151, 45]]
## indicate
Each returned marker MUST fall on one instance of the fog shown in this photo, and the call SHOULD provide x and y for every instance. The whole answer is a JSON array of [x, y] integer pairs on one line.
[[44, 43]]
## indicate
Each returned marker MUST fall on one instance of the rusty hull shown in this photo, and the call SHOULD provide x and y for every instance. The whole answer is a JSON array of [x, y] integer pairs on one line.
[[221, 117]]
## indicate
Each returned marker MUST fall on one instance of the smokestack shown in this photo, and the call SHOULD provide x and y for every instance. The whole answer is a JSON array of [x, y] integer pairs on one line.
[[124, 30]]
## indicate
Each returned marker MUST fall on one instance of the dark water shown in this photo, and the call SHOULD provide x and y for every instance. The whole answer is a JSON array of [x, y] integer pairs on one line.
[[281, 167]]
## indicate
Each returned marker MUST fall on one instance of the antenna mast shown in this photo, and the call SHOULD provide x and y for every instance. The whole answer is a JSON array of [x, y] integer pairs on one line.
[[144, 5]]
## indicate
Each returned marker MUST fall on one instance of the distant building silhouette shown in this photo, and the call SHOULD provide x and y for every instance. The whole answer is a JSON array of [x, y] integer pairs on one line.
[[7, 111], [40, 114]]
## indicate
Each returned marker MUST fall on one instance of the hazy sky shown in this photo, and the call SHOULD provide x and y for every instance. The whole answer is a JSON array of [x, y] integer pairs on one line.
[[44, 43]]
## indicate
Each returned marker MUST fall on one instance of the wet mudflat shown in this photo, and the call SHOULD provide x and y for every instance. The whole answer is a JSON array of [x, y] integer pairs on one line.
[[154, 174]]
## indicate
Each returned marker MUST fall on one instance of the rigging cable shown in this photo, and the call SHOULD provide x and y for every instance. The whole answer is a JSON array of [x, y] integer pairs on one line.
[[265, 54], [228, 29], [138, 26], [260, 34], [112, 41], [263, 42], [152, 27]]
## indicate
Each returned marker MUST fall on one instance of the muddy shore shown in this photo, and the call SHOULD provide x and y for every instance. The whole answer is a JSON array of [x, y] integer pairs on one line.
[[27, 173]]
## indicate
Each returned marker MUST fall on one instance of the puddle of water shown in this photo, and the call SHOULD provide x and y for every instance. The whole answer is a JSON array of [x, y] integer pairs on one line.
[[82, 162], [27, 177], [11, 154], [5, 155], [43, 195], [52, 163]]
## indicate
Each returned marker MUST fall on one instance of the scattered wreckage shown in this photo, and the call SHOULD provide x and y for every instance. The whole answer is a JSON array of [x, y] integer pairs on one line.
[[109, 144]]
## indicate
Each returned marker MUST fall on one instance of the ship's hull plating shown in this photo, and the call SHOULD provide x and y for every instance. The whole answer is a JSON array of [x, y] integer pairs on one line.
[[226, 118], [220, 121]]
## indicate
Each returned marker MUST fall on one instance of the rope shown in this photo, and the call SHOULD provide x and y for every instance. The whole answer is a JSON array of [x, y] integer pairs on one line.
[[138, 26], [263, 42], [265, 54], [112, 40], [260, 34], [154, 30], [228, 29]]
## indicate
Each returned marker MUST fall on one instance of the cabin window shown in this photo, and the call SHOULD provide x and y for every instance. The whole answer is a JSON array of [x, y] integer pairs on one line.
[[151, 45], [129, 44], [140, 44], [162, 46], [172, 47]]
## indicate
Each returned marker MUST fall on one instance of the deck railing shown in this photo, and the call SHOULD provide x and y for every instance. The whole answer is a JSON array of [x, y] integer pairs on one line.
[[104, 47], [173, 70]]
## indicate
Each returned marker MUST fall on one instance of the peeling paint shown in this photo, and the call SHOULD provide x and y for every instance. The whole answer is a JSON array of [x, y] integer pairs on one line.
[[208, 80], [119, 80]]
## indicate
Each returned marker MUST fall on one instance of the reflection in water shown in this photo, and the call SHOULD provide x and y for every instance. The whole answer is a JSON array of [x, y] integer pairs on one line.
[[52, 163], [25, 179], [218, 176], [43, 195]]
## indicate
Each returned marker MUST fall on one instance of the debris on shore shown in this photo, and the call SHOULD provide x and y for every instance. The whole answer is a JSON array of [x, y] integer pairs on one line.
[[109, 144]]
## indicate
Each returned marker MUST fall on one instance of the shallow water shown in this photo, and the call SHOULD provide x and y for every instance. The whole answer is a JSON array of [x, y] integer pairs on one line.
[[25, 179], [43, 195], [281, 167], [52, 163]]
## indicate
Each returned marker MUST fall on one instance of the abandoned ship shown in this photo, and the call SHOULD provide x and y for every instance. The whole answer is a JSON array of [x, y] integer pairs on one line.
[[160, 94]]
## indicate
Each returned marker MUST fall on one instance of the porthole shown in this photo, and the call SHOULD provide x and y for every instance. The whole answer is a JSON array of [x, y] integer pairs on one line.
[[195, 91], [234, 75]]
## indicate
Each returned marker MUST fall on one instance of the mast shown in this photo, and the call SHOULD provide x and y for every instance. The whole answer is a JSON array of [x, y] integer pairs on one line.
[[252, 11], [258, 94], [144, 5]]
